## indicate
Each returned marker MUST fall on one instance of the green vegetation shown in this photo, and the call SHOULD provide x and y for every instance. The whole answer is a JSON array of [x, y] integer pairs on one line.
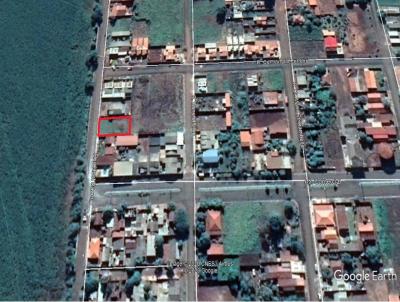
[[114, 126], [385, 237], [229, 272], [165, 19], [206, 22], [43, 125], [273, 80], [240, 228], [389, 2]]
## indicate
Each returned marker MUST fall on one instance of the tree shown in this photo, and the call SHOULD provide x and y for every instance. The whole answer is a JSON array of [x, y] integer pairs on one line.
[[92, 61], [204, 242], [291, 148], [134, 280], [265, 293], [373, 255], [97, 15], [349, 262], [308, 25], [320, 69], [91, 285], [159, 244], [289, 210], [108, 214], [73, 230], [221, 15], [181, 225], [326, 273]]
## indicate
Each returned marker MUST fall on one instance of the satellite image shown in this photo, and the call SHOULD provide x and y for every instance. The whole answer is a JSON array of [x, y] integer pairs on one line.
[[200, 150]]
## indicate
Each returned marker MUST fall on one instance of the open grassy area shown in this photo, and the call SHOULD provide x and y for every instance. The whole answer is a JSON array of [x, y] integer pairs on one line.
[[206, 28], [43, 117], [273, 80], [114, 126], [165, 19], [385, 237], [389, 2], [240, 228]]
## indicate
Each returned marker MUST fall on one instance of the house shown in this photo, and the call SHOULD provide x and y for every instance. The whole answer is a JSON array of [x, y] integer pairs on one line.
[[324, 215], [245, 138], [127, 141], [330, 44], [94, 249], [214, 223], [216, 249]]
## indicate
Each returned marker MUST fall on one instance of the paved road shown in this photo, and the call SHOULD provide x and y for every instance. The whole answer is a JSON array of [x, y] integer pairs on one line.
[[90, 153]]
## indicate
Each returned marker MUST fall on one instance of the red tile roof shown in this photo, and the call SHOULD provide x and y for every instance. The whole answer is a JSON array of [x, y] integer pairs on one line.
[[214, 222]]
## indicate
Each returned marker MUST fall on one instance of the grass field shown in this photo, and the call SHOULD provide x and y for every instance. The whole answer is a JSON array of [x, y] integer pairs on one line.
[[389, 2], [240, 228], [165, 19], [273, 80], [43, 118], [206, 28]]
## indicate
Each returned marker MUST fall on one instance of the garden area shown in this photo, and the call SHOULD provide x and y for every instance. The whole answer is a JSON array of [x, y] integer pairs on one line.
[[165, 18]]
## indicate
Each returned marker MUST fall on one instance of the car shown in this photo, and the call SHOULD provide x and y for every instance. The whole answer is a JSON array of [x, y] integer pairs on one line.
[[84, 217]]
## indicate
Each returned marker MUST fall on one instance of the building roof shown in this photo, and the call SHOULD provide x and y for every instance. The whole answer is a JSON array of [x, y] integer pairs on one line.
[[257, 137], [123, 168], [324, 215], [128, 140], [385, 151], [215, 249], [214, 222], [370, 79], [228, 119], [94, 249], [330, 42], [245, 138], [227, 100], [210, 156]]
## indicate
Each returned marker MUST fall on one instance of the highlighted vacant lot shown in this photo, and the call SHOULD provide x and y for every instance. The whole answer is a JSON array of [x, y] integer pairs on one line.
[[114, 126]]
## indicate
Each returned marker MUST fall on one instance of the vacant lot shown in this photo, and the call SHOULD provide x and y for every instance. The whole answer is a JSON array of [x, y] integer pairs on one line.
[[364, 35], [387, 216], [273, 80], [157, 103], [308, 49], [240, 228], [210, 122], [241, 224], [114, 126], [206, 27], [164, 18], [43, 120]]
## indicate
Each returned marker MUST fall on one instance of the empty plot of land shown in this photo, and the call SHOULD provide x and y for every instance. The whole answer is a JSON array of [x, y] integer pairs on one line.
[[210, 122], [307, 49], [157, 103], [364, 36], [268, 119], [164, 18], [206, 27]]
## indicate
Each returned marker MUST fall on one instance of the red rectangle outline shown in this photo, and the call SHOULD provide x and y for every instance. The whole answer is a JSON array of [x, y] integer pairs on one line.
[[109, 118]]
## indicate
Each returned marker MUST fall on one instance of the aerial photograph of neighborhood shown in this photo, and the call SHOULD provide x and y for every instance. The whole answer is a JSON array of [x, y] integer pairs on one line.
[[200, 150]]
